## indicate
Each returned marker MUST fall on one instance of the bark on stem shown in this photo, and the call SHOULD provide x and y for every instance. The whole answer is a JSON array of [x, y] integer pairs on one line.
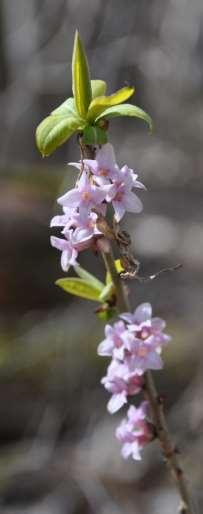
[[168, 449]]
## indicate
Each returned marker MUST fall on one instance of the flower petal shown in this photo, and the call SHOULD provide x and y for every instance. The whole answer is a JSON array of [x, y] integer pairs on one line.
[[132, 202], [65, 261], [119, 210], [116, 402], [105, 348], [154, 361], [106, 157], [59, 221], [70, 199], [57, 242], [143, 312], [158, 324], [126, 450]]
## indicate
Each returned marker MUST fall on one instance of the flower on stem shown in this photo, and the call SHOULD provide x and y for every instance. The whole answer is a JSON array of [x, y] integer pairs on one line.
[[85, 228], [63, 219], [69, 253], [113, 344], [121, 384], [136, 339], [121, 195], [103, 167], [143, 357], [134, 432], [144, 327], [79, 232], [85, 196]]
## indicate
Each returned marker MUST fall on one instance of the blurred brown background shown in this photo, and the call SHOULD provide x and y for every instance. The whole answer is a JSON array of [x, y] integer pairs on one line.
[[58, 454]]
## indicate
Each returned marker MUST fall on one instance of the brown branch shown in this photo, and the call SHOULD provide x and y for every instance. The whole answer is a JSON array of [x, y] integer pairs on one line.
[[168, 449]]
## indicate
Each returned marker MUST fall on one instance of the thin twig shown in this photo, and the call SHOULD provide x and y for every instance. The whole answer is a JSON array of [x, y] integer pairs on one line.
[[148, 278]]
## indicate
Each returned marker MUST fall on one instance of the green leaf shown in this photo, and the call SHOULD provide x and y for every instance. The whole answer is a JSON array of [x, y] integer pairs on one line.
[[98, 105], [94, 136], [98, 88], [79, 287], [119, 269], [53, 131], [88, 277], [126, 110], [107, 292], [67, 108], [80, 77]]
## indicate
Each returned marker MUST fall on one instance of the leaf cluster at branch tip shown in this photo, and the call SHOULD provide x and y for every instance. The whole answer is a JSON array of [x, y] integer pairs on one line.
[[84, 112]]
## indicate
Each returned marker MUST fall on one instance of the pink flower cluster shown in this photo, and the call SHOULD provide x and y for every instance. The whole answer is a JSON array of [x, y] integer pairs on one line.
[[135, 344], [101, 182]]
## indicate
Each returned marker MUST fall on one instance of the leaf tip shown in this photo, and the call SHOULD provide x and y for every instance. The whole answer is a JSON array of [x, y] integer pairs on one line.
[[76, 36], [132, 88]]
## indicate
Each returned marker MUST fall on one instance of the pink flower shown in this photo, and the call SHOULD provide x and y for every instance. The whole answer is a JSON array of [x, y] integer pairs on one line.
[[85, 196], [143, 357], [142, 313], [79, 230], [69, 253], [134, 431], [85, 229], [145, 328], [121, 384], [121, 195], [113, 344], [130, 176], [62, 219], [104, 167], [137, 342]]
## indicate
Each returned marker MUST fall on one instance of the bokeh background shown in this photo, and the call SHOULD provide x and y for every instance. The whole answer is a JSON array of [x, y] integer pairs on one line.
[[58, 453]]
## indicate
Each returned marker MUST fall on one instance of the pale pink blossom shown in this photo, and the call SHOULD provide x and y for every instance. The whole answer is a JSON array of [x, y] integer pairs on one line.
[[103, 167], [69, 253], [113, 344], [61, 220], [145, 328], [121, 384], [134, 432], [84, 196], [121, 195]]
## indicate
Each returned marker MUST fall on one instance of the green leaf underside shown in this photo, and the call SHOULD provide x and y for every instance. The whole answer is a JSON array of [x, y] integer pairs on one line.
[[53, 131], [79, 287], [126, 110], [98, 105], [98, 88], [107, 292], [67, 108], [80, 77], [94, 136], [88, 277]]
